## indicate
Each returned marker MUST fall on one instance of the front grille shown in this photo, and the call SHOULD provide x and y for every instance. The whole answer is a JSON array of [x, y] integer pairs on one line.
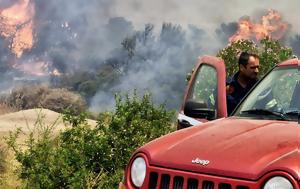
[[224, 186], [208, 185], [193, 184], [153, 180], [166, 181], [178, 182]]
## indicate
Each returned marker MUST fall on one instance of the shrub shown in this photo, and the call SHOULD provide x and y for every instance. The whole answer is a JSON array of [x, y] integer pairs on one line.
[[26, 97], [271, 52], [39, 96], [4, 166], [3, 159], [86, 157], [231, 52], [5, 108], [59, 100]]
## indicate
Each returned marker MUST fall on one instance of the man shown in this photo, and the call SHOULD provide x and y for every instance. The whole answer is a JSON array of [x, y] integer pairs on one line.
[[242, 81]]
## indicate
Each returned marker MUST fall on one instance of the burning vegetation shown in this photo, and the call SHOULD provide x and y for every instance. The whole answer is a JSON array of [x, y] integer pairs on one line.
[[16, 26], [271, 25], [68, 49]]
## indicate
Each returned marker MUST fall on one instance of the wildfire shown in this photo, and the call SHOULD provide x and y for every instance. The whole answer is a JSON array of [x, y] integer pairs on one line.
[[33, 67], [271, 26], [37, 68], [55, 72], [16, 26]]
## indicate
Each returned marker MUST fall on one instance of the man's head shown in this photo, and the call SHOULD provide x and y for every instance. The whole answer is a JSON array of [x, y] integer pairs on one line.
[[249, 65]]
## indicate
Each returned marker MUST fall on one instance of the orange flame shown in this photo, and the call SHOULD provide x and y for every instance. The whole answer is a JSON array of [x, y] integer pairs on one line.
[[55, 72], [16, 26], [271, 26]]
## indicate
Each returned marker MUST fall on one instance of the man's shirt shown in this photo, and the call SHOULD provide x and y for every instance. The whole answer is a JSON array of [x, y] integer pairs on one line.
[[235, 92]]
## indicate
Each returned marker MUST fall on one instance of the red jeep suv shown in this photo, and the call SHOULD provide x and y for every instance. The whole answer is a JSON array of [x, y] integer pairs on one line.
[[257, 147]]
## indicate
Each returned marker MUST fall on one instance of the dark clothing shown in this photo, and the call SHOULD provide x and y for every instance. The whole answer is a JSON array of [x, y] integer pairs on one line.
[[235, 92]]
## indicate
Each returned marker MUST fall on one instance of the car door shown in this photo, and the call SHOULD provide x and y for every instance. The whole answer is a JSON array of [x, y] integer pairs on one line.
[[205, 95]]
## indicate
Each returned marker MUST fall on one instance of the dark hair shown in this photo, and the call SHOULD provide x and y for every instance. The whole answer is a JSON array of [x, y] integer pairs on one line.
[[244, 58]]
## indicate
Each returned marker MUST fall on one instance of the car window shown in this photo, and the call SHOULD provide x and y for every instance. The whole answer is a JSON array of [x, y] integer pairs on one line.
[[204, 87], [277, 92]]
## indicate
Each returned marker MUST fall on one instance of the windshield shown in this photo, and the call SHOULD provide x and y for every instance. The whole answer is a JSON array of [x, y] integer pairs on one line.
[[277, 96]]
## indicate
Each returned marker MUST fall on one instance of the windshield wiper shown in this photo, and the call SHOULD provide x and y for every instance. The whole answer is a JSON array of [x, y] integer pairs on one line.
[[265, 112], [293, 113]]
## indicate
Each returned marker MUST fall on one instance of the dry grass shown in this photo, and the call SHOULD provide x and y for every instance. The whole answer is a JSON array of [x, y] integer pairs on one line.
[[8, 164], [26, 99], [40, 96], [9, 178], [29, 121], [5, 108]]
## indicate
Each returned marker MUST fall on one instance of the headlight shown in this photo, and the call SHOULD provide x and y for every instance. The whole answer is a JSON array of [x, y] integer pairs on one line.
[[138, 171], [278, 182]]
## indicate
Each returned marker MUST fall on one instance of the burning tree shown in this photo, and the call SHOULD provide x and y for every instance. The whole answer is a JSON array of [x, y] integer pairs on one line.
[[271, 24], [267, 34]]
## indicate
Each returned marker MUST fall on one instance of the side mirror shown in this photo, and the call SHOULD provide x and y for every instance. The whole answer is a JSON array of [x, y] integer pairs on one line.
[[199, 110]]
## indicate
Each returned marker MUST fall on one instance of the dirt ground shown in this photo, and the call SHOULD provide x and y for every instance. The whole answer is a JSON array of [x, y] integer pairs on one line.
[[27, 119]]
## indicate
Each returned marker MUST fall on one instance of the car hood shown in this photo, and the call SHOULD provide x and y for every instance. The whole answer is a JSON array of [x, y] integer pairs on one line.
[[239, 148]]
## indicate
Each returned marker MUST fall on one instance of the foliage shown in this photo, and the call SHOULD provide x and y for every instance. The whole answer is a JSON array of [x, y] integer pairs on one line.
[[204, 86], [90, 157], [3, 159], [271, 52], [5, 108], [87, 83], [140, 120], [171, 34], [129, 44], [38, 96], [74, 119], [231, 52]]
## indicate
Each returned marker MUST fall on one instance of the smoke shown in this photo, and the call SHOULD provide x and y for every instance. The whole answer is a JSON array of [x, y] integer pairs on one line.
[[100, 36], [204, 14], [77, 31], [6, 3], [294, 42], [160, 63]]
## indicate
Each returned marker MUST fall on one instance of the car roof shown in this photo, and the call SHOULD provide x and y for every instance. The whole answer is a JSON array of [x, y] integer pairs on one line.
[[291, 62]]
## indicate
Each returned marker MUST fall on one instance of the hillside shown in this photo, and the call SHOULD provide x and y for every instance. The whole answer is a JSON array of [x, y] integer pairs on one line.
[[28, 119]]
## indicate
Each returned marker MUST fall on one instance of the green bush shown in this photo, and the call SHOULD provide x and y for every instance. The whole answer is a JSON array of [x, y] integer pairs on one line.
[[85, 157], [230, 54], [271, 52]]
